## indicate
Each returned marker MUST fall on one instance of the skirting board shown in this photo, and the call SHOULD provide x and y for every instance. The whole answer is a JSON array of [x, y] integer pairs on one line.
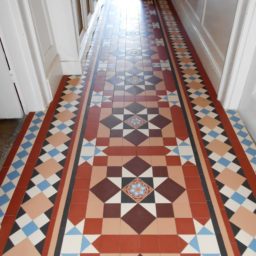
[[71, 67]]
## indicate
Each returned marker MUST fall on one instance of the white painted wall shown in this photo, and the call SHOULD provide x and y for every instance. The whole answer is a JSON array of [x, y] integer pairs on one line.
[[247, 106], [209, 24], [64, 29], [45, 42]]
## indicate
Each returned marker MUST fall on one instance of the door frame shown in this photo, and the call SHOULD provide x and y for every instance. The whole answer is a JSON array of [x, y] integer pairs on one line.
[[19, 41], [239, 55]]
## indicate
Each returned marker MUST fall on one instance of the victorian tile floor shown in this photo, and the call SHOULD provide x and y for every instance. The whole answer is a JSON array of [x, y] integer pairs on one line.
[[136, 157]]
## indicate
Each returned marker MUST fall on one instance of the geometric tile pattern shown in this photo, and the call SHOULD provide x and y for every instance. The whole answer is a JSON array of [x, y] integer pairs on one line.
[[43, 185], [137, 193], [204, 236], [215, 138], [75, 242], [116, 171], [244, 137], [182, 150], [15, 170]]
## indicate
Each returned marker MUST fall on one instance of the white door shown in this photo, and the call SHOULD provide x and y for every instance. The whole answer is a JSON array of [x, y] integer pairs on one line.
[[10, 106]]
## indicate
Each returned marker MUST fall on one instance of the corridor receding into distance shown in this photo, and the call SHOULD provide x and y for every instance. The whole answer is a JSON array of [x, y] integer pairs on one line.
[[136, 157]]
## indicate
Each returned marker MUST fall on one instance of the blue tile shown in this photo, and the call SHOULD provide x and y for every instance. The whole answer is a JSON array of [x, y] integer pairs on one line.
[[13, 175], [30, 136], [7, 187], [213, 134], [33, 128], [253, 160], [62, 126], [37, 121], [26, 145], [238, 126], [235, 118], [39, 114], [22, 154], [205, 111], [30, 228], [224, 161], [3, 199], [251, 151], [43, 185], [247, 142], [18, 164], [53, 152], [242, 134], [252, 245], [238, 198]]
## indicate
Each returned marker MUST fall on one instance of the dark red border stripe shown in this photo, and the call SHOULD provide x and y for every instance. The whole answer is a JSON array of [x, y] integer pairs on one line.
[[235, 143], [28, 170], [215, 188], [64, 174], [15, 147]]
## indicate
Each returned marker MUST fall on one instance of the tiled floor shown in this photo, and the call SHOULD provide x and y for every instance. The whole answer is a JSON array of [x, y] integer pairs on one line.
[[136, 157]]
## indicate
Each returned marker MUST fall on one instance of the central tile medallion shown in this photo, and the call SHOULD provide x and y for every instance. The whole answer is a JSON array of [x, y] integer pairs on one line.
[[135, 121], [138, 193], [137, 190]]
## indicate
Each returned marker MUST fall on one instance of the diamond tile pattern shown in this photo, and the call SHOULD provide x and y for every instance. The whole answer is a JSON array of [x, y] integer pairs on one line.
[[126, 172], [215, 138], [15, 170]]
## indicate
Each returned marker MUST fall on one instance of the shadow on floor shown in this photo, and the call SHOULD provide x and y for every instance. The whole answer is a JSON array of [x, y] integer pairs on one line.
[[9, 129]]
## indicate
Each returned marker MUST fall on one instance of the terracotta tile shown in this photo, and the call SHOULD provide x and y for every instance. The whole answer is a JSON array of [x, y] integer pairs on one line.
[[94, 207], [111, 226], [243, 218], [37, 205], [200, 210], [24, 246], [148, 244], [166, 226], [48, 168], [218, 147], [185, 225], [231, 179], [93, 226]]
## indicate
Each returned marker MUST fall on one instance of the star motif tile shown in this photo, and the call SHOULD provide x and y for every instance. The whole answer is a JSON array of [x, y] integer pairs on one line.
[[135, 123], [135, 189]]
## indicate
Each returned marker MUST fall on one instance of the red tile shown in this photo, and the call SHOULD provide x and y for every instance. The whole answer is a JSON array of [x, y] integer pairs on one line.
[[170, 141], [100, 160], [129, 244], [76, 212], [193, 183], [148, 244], [108, 244], [185, 226], [93, 226], [190, 171], [173, 160], [200, 210], [170, 244], [79, 196], [102, 141], [196, 196]]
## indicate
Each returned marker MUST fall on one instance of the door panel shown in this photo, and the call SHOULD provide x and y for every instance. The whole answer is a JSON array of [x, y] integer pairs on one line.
[[9, 101]]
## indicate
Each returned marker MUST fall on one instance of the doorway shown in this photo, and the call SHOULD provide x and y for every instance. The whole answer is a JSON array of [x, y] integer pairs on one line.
[[10, 105]]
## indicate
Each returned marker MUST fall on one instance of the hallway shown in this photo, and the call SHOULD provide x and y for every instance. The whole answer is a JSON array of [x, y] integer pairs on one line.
[[136, 157]]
